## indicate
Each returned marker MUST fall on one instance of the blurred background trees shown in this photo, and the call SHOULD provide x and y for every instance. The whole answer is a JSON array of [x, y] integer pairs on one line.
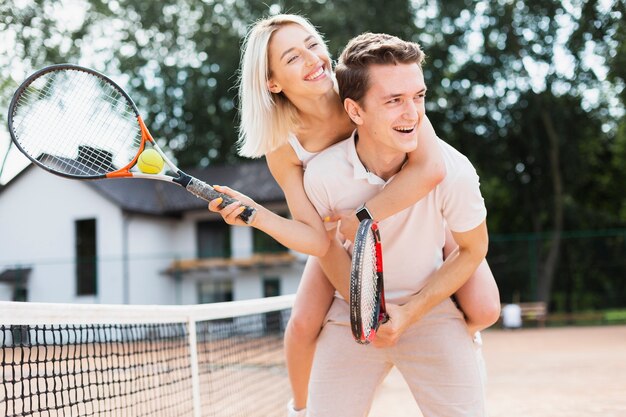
[[531, 91]]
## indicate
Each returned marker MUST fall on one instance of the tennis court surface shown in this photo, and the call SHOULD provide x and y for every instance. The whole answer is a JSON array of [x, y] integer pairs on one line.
[[551, 372]]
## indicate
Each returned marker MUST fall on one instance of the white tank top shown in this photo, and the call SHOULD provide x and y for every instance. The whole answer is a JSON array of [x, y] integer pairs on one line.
[[303, 155]]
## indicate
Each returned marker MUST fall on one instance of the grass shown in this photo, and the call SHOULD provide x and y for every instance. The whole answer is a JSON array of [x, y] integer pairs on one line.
[[584, 318]]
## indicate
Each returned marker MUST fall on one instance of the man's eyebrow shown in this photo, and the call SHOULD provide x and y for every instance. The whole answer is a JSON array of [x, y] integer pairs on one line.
[[393, 95], [308, 38]]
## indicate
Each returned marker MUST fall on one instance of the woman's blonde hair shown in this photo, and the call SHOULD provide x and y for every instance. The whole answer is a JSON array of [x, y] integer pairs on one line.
[[266, 118]]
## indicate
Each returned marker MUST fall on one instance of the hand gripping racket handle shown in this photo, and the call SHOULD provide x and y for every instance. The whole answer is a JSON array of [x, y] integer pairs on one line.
[[204, 191]]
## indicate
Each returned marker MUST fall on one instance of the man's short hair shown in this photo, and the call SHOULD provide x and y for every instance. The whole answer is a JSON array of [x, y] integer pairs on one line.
[[352, 70]]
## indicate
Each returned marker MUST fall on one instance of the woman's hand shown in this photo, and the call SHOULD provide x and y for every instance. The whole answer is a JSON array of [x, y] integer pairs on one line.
[[231, 212]]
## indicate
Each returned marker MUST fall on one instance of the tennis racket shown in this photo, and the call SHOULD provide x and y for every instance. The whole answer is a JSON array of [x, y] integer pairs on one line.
[[77, 123], [367, 293]]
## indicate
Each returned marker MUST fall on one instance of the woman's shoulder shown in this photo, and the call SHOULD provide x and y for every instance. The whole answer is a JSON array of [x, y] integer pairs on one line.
[[283, 157]]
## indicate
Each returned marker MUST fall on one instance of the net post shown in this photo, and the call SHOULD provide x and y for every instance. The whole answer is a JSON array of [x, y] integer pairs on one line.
[[193, 358]]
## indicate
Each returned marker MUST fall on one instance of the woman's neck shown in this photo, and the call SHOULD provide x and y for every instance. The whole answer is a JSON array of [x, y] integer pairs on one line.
[[322, 122], [313, 111]]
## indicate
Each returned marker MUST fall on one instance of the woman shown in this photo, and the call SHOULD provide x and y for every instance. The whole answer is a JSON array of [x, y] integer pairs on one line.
[[290, 111]]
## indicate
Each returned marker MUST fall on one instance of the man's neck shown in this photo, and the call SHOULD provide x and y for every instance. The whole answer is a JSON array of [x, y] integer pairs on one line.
[[384, 163]]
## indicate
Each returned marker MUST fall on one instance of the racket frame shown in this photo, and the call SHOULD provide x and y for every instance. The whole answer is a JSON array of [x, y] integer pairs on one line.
[[380, 315]]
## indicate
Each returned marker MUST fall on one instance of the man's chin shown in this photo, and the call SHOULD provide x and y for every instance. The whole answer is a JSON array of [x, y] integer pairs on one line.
[[410, 145]]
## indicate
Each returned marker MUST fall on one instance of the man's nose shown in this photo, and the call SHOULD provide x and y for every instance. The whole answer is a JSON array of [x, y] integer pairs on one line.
[[411, 110]]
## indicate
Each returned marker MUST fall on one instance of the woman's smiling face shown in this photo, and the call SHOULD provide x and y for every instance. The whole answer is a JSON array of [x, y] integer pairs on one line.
[[299, 63]]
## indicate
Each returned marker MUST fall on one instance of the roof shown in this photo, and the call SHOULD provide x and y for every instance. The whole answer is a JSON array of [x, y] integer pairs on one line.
[[158, 197], [252, 178], [15, 275]]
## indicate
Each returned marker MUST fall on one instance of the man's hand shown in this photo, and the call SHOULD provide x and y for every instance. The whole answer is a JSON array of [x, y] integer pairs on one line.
[[348, 225], [390, 332], [231, 212]]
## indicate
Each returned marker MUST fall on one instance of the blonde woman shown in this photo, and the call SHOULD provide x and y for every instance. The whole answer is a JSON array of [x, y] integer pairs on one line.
[[290, 111]]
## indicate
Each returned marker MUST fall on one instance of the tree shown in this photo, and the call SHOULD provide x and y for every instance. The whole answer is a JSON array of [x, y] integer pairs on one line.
[[528, 123], [532, 91]]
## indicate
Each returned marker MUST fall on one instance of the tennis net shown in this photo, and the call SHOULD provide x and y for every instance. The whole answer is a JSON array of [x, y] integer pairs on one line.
[[223, 359]]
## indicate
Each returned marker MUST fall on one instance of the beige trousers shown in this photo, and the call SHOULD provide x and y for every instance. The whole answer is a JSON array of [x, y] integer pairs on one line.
[[436, 357]]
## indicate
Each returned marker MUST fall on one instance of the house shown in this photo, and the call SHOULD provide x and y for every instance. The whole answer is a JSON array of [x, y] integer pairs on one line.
[[138, 241]]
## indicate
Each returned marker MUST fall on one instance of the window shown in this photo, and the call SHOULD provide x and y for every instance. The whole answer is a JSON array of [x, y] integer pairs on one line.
[[264, 243], [273, 319], [213, 239], [20, 293], [215, 291], [86, 257], [271, 286]]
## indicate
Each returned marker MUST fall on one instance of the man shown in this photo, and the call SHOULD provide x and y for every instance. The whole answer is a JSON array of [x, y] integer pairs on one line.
[[382, 86]]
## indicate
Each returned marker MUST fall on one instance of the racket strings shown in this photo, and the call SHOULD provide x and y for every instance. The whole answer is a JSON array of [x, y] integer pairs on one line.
[[68, 145], [61, 147], [369, 285], [76, 123]]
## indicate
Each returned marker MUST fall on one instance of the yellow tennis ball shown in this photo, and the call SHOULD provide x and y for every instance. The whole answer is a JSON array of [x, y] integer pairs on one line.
[[150, 162]]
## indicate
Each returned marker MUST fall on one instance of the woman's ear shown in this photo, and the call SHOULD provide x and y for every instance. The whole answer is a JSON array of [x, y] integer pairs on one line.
[[274, 87], [354, 110]]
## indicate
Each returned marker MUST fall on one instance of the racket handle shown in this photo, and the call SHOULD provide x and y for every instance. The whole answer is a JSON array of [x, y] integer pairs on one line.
[[204, 191]]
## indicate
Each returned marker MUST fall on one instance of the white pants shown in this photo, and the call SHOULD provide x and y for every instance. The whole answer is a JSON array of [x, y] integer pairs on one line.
[[436, 357]]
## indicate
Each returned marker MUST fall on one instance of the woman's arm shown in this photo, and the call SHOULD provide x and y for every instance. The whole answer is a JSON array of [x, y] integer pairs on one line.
[[423, 171], [306, 232]]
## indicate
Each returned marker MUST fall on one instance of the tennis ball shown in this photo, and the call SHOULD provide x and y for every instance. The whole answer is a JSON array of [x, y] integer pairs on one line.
[[150, 162]]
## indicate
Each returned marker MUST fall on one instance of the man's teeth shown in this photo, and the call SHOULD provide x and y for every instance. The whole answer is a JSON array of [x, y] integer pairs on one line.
[[404, 129], [316, 74]]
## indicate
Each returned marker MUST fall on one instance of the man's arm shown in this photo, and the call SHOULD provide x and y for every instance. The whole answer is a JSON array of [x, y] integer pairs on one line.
[[455, 271]]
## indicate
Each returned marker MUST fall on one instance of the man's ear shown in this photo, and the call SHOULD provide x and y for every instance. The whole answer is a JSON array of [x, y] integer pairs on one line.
[[354, 110], [273, 86]]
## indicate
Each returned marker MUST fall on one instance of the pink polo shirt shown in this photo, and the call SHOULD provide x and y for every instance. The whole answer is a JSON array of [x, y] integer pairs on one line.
[[413, 239]]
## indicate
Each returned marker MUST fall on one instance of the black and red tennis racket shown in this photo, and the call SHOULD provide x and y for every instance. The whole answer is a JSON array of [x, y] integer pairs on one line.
[[367, 293], [77, 123]]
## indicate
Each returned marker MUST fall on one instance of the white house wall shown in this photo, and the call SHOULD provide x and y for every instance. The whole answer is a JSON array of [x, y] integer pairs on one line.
[[37, 215], [6, 291], [151, 252], [37, 226], [38, 232]]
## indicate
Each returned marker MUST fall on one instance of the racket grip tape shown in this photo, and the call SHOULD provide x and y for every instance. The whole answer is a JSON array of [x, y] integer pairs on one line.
[[204, 191]]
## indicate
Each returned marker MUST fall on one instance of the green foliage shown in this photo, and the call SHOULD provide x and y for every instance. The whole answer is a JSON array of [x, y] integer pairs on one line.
[[532, 91]]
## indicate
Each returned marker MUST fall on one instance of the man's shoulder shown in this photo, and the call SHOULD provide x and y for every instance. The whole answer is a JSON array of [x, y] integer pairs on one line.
[[457, 164]]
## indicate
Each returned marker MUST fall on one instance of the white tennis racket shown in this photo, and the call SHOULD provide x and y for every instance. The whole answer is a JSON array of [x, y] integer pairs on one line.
[[77, 123], [367, 293]]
